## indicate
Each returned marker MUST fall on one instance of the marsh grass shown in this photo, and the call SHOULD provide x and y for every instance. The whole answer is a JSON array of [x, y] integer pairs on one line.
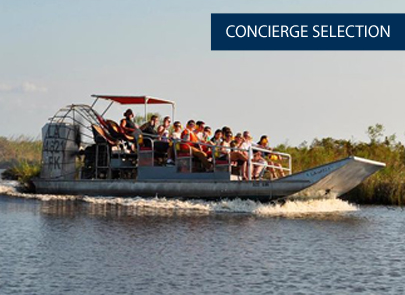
[[385, 187], [23, 171], [17, 149], [22, 156]]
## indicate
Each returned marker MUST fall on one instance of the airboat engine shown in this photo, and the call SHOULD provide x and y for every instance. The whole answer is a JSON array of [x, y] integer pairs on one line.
[[59, 151], [65, 138]]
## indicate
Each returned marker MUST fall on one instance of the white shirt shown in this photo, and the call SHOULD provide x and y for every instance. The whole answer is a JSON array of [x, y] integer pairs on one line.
[[246, 145], [176, 135], [200, 136]]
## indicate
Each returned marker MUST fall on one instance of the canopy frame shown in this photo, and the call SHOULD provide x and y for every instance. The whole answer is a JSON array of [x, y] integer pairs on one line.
[[135, 100]]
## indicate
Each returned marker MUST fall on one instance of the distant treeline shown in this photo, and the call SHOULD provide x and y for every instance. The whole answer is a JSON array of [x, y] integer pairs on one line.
[[385, 187]]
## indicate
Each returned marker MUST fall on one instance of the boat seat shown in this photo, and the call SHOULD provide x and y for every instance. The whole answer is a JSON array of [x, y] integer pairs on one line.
[[145, 156], [184, 161], [114, 129], [222, 165]]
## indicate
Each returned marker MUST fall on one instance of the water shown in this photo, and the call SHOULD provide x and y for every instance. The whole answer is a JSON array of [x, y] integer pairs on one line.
[[83, 245]]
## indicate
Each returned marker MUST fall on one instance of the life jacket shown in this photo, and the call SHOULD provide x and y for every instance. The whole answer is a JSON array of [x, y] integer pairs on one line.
[[191, 137]]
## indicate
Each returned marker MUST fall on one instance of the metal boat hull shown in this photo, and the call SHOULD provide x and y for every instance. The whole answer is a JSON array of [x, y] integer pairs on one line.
[[326, 181]]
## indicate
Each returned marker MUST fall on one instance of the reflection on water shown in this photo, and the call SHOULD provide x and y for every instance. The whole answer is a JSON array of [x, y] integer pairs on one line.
[[157, 246], [63, 208]]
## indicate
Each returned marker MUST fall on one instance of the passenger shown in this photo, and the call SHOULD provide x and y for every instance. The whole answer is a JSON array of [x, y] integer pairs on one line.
[[160, 133], [162, 145], [247, 144], [225, 144], [275, 168], [206, 139], [225, 130], [217, 139], [149, 130], [258, 169], [203, 136], [263, 142], [247, 140], [192, 144], [127, 124], [149, 127], [240, 156], [228, 143], [176, 134], [239, 141], [207, 133], [164, 129], [199, 130], [130, 129]]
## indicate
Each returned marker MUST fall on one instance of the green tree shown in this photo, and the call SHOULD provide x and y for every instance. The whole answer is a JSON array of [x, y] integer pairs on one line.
[[139, 119], [375, 133]]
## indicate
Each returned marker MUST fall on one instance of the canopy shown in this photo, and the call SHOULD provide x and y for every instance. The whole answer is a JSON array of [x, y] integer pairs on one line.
[[128, 99], [125, 99]]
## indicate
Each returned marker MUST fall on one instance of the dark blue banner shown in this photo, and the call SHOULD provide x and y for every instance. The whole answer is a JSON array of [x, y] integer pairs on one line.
[[307, 31]]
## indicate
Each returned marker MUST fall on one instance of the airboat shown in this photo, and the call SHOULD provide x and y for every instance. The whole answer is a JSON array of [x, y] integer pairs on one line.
[[84, 153]]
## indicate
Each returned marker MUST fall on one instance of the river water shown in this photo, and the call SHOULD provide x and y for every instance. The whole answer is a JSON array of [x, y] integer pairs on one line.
[[83, 245]]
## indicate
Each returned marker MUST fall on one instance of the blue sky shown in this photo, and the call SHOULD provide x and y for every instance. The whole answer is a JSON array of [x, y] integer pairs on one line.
[[53, 53]]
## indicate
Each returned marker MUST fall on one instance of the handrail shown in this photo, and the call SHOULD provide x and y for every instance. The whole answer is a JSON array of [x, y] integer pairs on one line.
[[288, 156], [270, 166], [270, 151]]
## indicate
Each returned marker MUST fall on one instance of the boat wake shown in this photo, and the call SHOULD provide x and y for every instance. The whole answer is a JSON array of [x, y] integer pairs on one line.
[[13, 189], [163, 206]]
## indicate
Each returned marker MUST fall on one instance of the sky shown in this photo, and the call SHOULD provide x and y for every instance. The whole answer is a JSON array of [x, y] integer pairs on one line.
[[55, 53]]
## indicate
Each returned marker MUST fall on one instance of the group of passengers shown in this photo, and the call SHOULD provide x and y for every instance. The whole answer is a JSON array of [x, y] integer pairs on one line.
[[197, 138]]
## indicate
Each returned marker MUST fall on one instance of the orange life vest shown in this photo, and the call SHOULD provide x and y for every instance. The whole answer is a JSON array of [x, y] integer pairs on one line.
[[191, 137]]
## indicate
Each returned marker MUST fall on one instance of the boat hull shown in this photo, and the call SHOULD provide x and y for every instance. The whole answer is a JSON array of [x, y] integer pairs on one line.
[[326, 181], [258, 190]]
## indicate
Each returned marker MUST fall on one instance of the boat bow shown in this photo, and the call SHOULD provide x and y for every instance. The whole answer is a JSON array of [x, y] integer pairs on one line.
[[334, 179]]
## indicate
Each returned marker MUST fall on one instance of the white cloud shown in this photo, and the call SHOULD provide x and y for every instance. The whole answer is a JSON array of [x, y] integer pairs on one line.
[[29, 87], [5, 87], [25, 87]]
